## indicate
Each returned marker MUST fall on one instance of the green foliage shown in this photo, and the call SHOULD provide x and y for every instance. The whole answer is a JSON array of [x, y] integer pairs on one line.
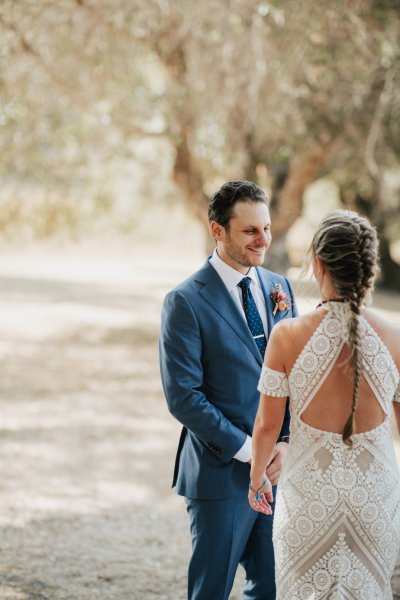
[[244, 87]]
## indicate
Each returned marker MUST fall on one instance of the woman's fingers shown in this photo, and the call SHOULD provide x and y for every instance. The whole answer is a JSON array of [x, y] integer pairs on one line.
[[259, 503]]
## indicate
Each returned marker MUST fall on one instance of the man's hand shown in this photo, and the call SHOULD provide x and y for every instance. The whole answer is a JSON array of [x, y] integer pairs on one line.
[[275, 466]]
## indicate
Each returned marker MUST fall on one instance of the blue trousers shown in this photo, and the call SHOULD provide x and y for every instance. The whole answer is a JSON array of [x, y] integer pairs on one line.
[[226, 533]]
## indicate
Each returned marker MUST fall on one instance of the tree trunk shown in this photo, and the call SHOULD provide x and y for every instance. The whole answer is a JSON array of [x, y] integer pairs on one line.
[[188, 179], [287, 201], [288, 205], [186, 171], [390, 270]]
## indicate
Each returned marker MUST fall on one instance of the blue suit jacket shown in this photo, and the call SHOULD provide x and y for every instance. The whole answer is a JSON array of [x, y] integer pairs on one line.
[[210, 367]]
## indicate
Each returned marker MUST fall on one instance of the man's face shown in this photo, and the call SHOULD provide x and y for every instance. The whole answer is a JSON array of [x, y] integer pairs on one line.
[[244, 243]]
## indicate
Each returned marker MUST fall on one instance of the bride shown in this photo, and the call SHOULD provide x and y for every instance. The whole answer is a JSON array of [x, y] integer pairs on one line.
[[337, 515]]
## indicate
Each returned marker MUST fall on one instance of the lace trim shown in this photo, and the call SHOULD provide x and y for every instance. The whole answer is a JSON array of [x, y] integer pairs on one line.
[[319, 352], [397, 394], [273, 383], [379, 365]]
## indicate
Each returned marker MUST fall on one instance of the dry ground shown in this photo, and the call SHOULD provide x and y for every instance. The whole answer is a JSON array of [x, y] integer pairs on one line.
[[87, 445]]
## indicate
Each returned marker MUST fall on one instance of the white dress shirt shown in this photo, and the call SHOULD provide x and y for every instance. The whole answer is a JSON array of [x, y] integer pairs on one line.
[[231, 278]]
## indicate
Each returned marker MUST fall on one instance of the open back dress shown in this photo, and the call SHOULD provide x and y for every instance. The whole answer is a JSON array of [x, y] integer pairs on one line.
[[337, 515]]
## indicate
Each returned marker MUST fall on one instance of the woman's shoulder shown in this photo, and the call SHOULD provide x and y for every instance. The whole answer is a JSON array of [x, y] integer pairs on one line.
[[388, 331], [381, 323], [294, 333], [289, 337], [308, 321]]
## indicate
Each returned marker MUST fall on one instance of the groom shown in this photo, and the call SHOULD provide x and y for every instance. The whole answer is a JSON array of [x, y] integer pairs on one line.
[[214, 330]]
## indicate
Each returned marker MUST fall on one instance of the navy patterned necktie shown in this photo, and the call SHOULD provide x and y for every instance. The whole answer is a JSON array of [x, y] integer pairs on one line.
[[253, 316]]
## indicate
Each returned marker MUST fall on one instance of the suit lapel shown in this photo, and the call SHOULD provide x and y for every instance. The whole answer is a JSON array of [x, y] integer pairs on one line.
[[215, 293], [266, 286]]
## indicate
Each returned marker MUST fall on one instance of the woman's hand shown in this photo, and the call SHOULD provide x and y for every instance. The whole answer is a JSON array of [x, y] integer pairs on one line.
[[259, 497]]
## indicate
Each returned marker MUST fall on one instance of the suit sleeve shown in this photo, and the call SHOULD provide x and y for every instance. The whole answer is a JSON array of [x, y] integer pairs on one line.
[[182, 378], [293, 305]]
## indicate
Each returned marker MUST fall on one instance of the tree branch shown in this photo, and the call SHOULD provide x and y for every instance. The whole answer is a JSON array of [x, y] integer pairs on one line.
[[303, 171], [65, 88], [375, 128]]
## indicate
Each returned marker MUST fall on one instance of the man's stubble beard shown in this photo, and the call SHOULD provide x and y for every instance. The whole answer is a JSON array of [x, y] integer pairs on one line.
[[239, 256]]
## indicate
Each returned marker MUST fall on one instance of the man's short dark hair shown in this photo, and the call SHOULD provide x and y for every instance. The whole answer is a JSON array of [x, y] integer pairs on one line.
[[222, 203]]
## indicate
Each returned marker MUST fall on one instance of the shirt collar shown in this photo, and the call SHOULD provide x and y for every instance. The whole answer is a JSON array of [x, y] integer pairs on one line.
[[230, 276]]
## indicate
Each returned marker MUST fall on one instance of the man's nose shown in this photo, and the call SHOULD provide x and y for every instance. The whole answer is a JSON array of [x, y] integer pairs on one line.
[[265, 238]]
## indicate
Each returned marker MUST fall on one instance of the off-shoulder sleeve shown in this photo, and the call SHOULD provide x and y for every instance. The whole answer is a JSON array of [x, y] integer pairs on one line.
[[397, 394], [273, 383]]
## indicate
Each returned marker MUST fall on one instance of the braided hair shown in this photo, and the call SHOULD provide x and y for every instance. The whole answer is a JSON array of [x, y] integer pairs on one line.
[[347, 245]]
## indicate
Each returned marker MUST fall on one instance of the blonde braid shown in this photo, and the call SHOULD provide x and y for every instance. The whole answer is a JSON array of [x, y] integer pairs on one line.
[[347, 245], [356, 362]]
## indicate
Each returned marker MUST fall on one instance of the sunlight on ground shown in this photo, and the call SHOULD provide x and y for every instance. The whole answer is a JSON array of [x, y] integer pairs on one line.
[[88, 445]]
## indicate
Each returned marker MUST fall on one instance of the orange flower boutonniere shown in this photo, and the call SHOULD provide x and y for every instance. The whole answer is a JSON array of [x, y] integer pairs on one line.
[[280, 299]]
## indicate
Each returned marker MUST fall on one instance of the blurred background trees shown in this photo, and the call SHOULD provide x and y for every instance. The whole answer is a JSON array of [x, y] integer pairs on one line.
[[114, 112]]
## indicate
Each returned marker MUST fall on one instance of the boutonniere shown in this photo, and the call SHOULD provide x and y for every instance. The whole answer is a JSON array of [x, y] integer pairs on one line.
[[280, 299]]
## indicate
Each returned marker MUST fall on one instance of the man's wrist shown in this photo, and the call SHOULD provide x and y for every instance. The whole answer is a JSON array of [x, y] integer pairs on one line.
[[244, 453]]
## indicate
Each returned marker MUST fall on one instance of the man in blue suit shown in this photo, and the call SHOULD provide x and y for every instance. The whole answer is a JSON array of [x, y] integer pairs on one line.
[[214, 330]]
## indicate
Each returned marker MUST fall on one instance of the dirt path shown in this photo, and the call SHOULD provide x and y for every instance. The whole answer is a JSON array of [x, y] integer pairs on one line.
[[87, 445]]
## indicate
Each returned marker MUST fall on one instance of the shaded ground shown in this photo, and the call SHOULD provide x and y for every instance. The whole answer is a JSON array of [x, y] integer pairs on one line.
[[87, 445]]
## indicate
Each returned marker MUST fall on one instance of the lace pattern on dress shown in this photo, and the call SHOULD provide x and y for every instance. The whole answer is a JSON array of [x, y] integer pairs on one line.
[[321, 350], [379, 367], [273, 383], [337, 516]]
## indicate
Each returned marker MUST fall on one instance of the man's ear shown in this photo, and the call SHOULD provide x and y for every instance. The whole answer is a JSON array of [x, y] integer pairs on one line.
[[216, 230]]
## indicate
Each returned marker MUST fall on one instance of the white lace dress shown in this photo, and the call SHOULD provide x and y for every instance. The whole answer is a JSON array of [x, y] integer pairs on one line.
[[337, 515]]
